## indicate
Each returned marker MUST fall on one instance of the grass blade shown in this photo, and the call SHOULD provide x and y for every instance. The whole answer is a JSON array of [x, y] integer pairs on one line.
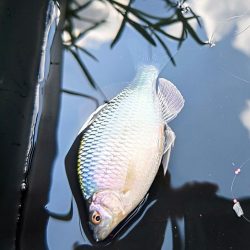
[[167, 35], [196, 17], [83, 6], [83, 67], [70, 92], [183, 37], [165, 48], [139, 28], [194, 34], [188, 28], [87, 52], [170, 20], [143, 32], [119, 33]]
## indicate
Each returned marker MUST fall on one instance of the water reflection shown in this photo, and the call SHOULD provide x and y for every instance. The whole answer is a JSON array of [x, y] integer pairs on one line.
[[148, 227], [207, 219], [194, 209]]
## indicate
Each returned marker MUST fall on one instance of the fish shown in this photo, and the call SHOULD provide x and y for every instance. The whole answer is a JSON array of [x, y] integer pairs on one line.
[[122, 145]]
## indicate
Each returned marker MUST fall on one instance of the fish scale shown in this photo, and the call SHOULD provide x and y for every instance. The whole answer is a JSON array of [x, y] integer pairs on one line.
[[111, 134], [122, 146]]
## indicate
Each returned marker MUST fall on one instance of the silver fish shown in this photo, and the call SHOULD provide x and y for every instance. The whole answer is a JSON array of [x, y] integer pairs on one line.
[[122, 145]]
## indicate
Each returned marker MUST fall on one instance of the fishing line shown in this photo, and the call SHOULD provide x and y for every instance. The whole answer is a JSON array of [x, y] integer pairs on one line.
[[176, 52], [237, 207], [211, 41], [242, 80]]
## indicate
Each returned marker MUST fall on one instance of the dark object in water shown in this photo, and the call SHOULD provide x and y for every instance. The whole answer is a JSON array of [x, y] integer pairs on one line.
[[196, 203]]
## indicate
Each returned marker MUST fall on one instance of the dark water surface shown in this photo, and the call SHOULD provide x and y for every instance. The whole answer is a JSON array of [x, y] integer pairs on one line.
[[191, 207]]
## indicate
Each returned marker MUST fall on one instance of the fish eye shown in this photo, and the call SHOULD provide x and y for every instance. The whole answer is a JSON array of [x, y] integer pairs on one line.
[[96, 218]]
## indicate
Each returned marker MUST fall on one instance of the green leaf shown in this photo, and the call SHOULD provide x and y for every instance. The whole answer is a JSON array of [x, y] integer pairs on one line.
[[169, 21], [83, 67], [183, 37], [167, 35], [194, 34], [86, 52], [165, 48], [165, 21], [139, 28], [196, 17], [83, 6], [143, 32], [188, 28], [70, 92], [139, 12], [171, 4], [121, 29]]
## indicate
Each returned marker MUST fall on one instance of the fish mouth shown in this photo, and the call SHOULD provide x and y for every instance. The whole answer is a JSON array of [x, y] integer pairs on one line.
[[100, 234], [99, 238]]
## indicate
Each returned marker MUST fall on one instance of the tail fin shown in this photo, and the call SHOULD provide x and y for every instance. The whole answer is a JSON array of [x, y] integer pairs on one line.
[[144, 53], [170, 98]]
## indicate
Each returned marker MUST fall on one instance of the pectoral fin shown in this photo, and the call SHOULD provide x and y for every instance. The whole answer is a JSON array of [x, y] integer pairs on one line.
[[169, 143], [170, 98]]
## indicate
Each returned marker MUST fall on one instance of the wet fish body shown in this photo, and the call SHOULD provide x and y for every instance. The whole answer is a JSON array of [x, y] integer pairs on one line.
[[122, 146]]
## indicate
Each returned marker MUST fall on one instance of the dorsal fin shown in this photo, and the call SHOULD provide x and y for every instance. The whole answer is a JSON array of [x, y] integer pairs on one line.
[[170, 98]]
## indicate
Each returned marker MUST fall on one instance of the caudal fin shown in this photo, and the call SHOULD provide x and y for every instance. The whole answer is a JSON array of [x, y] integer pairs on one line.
[[143, 53], [170, 98]]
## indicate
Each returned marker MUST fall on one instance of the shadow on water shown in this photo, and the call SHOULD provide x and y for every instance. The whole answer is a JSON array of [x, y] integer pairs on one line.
[[209, 221]]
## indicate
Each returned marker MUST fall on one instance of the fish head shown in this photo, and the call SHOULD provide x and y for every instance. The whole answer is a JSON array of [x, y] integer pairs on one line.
[[106, 211]]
